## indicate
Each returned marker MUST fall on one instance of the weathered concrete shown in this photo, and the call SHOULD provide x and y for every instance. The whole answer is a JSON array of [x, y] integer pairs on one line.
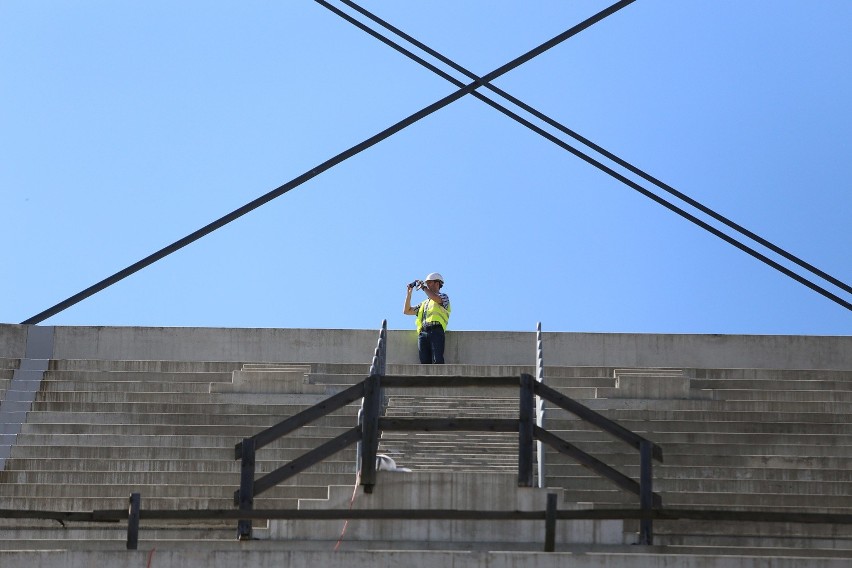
[[24, 386], [13, 341], [765, 439], [250, 555], [457, 491], [468, 347]]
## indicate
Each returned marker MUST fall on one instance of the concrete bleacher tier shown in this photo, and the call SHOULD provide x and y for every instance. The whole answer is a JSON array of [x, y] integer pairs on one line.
[[746, 423]]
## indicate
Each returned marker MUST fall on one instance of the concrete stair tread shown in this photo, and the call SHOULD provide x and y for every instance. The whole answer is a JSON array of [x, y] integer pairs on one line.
[[680, 426], [91, 376], [150, 409], [131, 463], [733, 438], [667, 472], [733, 501], [152, 440], [156, 366], [773, 384], [206, 404], [727, 415]]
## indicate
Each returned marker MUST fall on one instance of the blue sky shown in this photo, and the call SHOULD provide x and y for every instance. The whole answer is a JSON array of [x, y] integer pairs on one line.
[[125, 126]]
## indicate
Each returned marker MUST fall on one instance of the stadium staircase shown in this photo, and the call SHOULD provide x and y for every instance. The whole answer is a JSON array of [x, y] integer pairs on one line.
[[733, 439]]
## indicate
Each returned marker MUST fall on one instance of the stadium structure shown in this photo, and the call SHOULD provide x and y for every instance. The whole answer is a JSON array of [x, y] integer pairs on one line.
[[131, 446]]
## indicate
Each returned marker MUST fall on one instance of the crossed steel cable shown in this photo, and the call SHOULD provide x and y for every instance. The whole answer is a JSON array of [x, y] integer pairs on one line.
[[465, 89], [623, 163], [299, 180]]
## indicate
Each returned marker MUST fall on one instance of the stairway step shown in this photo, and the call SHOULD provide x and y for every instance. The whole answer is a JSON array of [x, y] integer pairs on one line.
[[91, 376], [669, 472], [130, 465], [146, 366], [49, 452], [720, 426]]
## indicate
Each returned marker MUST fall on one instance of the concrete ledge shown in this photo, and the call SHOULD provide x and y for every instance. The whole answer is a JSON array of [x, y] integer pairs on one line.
[[13, 341], [254, 555], [465, 347], [457, 491], [271, 379]]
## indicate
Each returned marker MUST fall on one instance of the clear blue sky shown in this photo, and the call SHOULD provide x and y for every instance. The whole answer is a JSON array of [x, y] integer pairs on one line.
[[125, 126]]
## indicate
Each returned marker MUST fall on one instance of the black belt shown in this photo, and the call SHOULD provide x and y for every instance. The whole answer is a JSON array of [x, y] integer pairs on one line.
[[431, 324]]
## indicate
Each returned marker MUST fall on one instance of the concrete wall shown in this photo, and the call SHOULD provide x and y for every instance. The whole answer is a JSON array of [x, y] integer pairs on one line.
[[468, 347], [13, 341]]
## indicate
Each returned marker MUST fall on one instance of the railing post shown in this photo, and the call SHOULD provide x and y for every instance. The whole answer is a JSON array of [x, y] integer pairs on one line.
[[550, 523], [646, 491], [359, 447], [378, 366], [539, 406], [246, 487], [133, 521], [525, 431], [370, 431], [383, 349]]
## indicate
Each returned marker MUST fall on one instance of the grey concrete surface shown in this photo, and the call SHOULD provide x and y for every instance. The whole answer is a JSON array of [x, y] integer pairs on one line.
[[254, 556], [466, 347], [13, 341], [24, 386]]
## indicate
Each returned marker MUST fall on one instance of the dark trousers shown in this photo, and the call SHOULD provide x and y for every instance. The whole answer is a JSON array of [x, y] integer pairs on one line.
[[430, 344]]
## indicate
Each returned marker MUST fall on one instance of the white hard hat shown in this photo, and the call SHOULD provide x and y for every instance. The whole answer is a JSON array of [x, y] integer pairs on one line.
[[434, 276]]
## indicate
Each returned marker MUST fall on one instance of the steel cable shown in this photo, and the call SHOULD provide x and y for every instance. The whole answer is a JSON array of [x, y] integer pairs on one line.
[[297, 181], [745, 248]]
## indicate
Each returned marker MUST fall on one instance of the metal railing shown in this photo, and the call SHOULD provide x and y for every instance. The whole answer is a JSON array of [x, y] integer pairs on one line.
[[378, 366], [539, 404], [371, 424], [134, 514]]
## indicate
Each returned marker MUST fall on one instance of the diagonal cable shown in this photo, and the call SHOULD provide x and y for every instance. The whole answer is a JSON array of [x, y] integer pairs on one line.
[[745, 248], [583, 140], [297, 181]]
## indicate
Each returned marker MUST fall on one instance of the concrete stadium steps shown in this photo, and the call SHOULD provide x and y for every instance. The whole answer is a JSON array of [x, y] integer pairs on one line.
[[186, 442], [144, 366], [715, 375], [447, 406], [100, 430], [7, 371], [805, 380], [722, 426], [797, 472], [97, 412], [731, 535], [102, 538], [120, 503], [129, 462], [192, 374], [793, 395], [146, 470], [412, 555], [763, 439], [836, 492], [677, 440], [452, 451]]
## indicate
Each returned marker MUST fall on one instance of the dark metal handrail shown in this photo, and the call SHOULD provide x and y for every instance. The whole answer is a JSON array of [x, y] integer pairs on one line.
[[134, 513], [372, 424]]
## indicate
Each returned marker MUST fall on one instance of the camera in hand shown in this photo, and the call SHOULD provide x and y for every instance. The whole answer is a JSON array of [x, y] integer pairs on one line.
[[417, 284]]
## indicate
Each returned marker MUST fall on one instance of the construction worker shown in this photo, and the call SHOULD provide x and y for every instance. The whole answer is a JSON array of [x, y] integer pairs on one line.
[[433, 313]]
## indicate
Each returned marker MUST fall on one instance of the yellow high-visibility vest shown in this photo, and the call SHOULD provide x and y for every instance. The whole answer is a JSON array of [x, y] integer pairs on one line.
[[434, 312]]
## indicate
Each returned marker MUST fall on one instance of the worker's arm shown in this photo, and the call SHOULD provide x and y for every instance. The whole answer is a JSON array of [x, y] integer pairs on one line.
[[437, 298], [408, 309]]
